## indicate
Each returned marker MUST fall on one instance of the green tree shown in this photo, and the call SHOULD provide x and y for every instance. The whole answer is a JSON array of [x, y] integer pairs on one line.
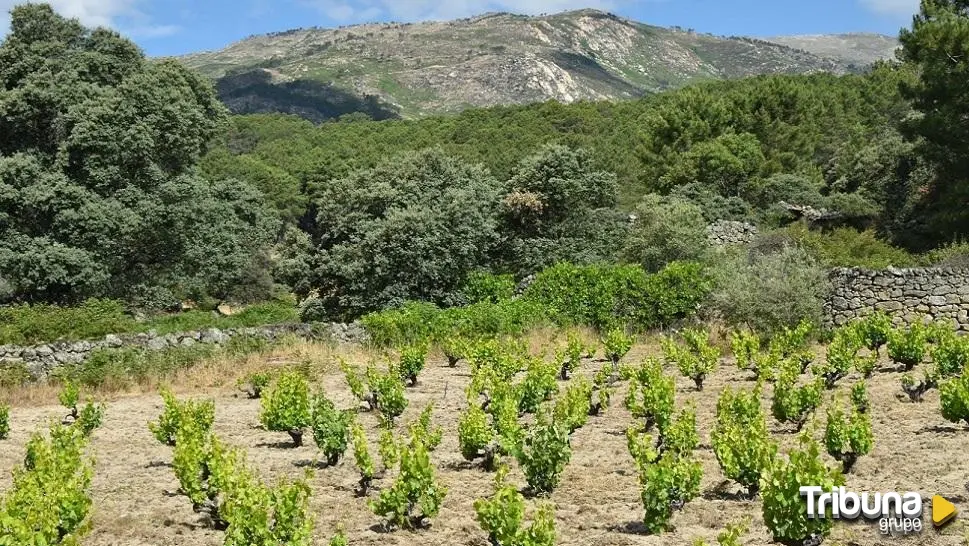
[[98, 189], [558, 207], [938, 46], [666, 229], [412, 228]]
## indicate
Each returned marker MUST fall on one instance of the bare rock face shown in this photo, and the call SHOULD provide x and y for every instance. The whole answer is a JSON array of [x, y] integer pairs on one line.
[[411, 70]]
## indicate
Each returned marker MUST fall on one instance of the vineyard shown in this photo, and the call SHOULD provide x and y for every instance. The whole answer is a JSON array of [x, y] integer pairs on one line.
[[557, 437]]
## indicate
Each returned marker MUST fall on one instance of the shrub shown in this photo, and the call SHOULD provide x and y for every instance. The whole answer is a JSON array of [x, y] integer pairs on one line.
[[907, 346], [538, 384], [666, 229], [361, 455], [847, 437], [572, 407], [331, 428], [767, 292], [842, 356], [90, 417], [745, 345], [601, 392], [387, 392], [286, 407], [388, 448], [950, 355], [424, 432], [201, 412], [4, 421], [680, 437], [454, 348], [954, 395], [68, 397], [357, 387], [783, 505], [339, 539], [874, 329], [191, 461], [412, 360], [666, 485], [258, 515], [859, 397], [795, 403], [476, 438], [482, 286], [415, 487], [49, 501], [502, 517], [650, 396], [412, 322], [741, 442], [617, 343], [543, 455], [254, 383], [696, 360], [39, 323], [572, 358]]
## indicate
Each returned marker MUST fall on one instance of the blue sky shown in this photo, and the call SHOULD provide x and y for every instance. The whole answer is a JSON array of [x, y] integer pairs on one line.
[[171, 27]]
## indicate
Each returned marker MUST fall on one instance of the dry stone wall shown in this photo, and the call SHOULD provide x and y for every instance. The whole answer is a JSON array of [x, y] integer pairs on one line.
[[729, 232], [41, 360], [905, 294]]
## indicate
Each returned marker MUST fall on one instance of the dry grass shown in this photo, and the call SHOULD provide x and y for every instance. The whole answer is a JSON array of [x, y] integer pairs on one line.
[[597, 503]]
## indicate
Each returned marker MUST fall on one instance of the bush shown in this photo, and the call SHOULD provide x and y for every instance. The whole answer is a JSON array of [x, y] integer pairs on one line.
[[616, 344], [254, 383], [666, 229], [571, 358], [847, 247], [39, 323], [859, 397], [424, 432], [767, 292], [601, 392], [68, 397], [697, 359], [543, 454], [954, 395], [258, 515], [412, 322], [847, 437], [412, 360], [176, 414], [286, 407], [4, 421], [666, 485], [572, 407], [387, 393], [745, 346], [331, 428], [651, 395], [874, 329], [476, 438], [842, 356], [795, 403], [361, 455], [916, 389], [90, 417], [49, 501], [950, 355], [680, 437], [502, 517], [415, 487], [482, 286], [741, 442], [538, 385], [783, 504], [907, 346]]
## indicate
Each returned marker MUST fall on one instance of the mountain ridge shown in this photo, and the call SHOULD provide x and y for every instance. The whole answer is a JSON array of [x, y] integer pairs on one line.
[[417, 69]]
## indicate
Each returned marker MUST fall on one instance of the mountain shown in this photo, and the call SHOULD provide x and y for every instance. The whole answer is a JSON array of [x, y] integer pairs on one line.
[[856, 48], [413, 70]]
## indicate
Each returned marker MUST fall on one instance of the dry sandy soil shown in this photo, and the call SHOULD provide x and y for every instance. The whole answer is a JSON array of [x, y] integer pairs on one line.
[[597, 503]]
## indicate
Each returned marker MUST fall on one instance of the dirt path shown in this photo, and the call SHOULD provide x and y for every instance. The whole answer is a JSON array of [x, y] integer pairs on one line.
[[597, 503]]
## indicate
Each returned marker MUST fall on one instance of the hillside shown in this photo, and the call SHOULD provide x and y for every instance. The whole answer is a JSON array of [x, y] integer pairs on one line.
[[413, 70], [859, 48]]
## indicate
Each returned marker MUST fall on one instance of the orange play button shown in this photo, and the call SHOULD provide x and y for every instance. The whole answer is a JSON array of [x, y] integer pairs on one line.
[[942, 511]]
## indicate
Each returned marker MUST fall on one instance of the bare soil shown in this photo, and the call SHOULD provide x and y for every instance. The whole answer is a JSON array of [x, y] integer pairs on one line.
[[597, 503]]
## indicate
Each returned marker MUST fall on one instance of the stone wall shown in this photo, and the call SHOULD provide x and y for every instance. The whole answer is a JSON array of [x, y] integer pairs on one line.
[[728, 232], [40, 360], [905, 294]]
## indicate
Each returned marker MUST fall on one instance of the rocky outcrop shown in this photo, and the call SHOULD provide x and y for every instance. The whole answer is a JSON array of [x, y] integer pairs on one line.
[[905, 294], [40, 360], [729, 232]]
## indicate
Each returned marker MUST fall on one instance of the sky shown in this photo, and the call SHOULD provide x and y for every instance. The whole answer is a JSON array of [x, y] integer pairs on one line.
[[174, 27]]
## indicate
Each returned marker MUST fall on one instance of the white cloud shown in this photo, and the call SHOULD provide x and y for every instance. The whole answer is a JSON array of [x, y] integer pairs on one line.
[[897, 8], [126, 16], [412, 10]]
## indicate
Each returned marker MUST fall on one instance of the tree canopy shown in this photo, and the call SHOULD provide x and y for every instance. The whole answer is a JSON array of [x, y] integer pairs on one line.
[[99, 194]]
